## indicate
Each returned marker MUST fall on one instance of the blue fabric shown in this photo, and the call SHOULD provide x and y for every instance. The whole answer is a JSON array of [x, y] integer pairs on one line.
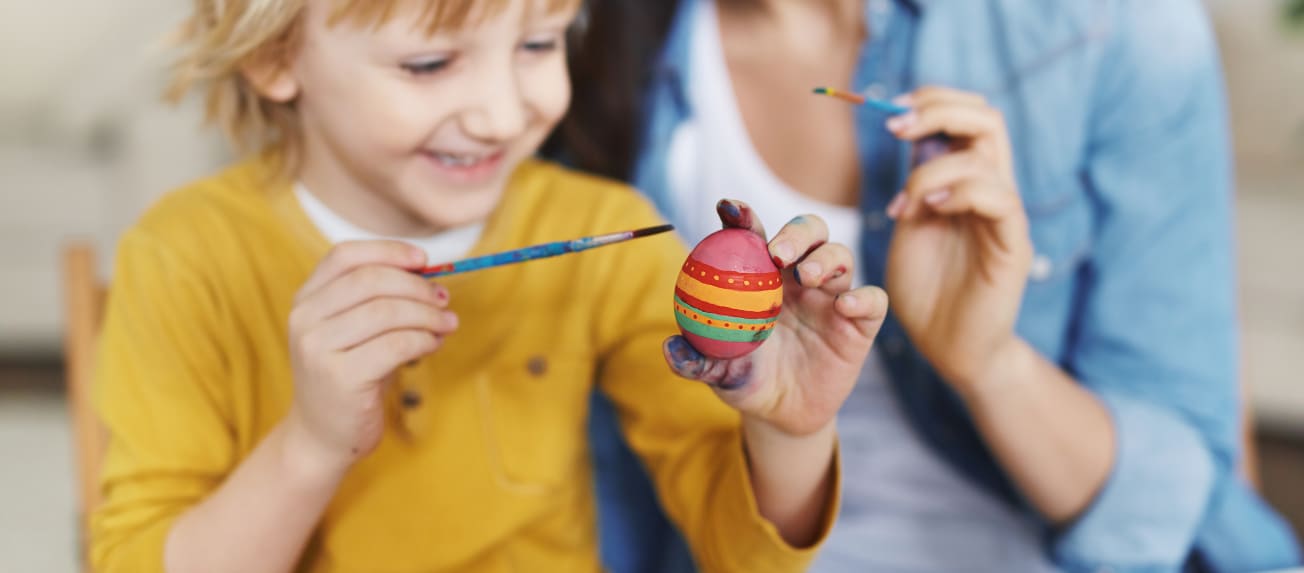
[[1117, 116]]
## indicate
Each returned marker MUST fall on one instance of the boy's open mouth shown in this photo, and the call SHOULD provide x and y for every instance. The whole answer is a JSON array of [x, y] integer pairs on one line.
[[463, 160]]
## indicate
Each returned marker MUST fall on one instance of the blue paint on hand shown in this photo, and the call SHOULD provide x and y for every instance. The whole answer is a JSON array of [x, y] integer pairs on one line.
[[685, 359]]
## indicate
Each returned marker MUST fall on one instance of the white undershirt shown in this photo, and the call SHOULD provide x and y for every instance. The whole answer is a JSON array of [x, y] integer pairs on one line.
[[442, 247], [904, 509]]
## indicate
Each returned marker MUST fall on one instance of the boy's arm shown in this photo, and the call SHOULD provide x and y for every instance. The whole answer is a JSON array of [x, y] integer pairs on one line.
[[793, 477], [261, 517], [162, 398], [748, 494]]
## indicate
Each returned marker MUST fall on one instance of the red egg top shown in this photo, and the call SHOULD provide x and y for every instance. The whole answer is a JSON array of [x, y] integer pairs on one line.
[[737, 250]]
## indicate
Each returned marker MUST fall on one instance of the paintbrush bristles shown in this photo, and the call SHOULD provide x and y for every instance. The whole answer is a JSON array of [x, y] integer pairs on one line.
[[651, 231], [844, 96]]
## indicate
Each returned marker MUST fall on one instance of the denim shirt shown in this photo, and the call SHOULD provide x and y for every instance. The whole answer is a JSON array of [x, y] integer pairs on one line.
[[1116, 113]]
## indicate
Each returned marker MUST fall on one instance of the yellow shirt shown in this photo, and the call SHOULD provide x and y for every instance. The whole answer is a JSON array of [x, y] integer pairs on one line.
[[490, 471]]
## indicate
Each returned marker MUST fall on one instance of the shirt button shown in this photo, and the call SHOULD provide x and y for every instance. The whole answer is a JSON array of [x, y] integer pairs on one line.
[[1041, 268], [875, 220], [876, 91], [537, 366], [411, 399]]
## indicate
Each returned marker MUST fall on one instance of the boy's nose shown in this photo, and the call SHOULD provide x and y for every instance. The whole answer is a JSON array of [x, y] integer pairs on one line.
[[498, 111]]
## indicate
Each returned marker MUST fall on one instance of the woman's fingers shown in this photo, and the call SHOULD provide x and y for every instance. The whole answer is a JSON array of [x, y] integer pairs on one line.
[[989, 201], [931, 95], [956, 120]]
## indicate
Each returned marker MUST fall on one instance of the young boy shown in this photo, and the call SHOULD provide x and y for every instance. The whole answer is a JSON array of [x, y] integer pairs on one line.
[[283, 393]]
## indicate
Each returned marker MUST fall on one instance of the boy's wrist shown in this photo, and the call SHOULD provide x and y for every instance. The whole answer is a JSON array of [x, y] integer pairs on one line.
[[304, 458], [758, 432]]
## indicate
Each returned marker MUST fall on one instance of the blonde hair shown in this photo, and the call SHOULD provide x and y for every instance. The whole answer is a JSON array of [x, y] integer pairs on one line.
[[222, 38]]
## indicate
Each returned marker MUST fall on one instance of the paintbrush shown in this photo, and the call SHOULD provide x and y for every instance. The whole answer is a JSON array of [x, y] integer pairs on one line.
[[542, 251], [858, 99], [926, 149]]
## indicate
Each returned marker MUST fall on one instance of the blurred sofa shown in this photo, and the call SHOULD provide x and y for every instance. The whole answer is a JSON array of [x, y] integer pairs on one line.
[[85, 143]]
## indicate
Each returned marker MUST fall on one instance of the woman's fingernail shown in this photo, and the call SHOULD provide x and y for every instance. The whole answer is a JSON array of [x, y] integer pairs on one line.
[[783, 252], [899, 123], [904, 100], [898, 203], [453, 321], [851, 299], [938, 197], [811, 269]]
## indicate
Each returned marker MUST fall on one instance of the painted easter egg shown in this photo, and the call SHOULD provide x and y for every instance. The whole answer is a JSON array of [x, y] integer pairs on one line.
[[728, 295]]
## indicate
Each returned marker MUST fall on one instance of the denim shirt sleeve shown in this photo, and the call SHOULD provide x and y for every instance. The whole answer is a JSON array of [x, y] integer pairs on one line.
[[1156, 339]]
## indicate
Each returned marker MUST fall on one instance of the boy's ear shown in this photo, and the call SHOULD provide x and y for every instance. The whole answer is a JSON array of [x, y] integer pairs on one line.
[[272, 79]]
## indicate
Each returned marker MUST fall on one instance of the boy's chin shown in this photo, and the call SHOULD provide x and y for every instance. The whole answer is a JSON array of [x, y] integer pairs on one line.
[[449, 209]]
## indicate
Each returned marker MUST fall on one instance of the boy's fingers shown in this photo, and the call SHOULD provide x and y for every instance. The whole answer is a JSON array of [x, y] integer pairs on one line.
[[361, 285], [722, 375], [683, 359], [735, 214], [828, 267], [350, 255], [378, 357], [376, 317], [866, 307], [800, 236]]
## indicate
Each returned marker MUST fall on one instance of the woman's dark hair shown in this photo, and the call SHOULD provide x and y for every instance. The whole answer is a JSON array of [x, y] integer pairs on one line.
[[613, 50]]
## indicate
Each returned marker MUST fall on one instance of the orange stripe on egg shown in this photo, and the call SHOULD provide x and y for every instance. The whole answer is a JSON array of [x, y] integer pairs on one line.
[[750, 301]]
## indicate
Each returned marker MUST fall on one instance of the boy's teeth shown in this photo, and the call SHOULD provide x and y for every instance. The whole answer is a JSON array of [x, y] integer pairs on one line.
[[453, 160]]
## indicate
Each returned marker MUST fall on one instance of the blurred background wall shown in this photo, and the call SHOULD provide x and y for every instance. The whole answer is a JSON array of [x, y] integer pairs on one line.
[[85, 146]]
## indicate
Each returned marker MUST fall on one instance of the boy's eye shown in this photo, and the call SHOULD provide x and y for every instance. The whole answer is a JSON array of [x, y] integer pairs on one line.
[[547, 45], [423, 67]]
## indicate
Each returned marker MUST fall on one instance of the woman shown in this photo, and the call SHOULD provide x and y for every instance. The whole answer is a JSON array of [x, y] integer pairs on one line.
[[1057, 388]]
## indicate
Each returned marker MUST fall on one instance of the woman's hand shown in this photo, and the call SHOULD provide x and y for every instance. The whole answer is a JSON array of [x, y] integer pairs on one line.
[[960, 254]]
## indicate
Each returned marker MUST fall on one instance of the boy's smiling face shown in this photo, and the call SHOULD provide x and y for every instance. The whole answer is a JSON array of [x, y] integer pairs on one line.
[[406, 133]]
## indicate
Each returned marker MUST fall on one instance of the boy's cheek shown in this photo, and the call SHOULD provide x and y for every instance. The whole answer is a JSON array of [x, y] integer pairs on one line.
[[551, 92]]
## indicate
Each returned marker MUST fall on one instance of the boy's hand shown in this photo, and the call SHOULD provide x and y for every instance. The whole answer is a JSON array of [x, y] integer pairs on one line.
[[359, 316], [799, 378]]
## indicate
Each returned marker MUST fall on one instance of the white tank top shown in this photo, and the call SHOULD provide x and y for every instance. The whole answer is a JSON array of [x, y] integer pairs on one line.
[[903, 509]]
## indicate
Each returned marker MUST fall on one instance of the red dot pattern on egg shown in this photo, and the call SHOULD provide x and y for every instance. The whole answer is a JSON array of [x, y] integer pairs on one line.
[[729, 294]]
